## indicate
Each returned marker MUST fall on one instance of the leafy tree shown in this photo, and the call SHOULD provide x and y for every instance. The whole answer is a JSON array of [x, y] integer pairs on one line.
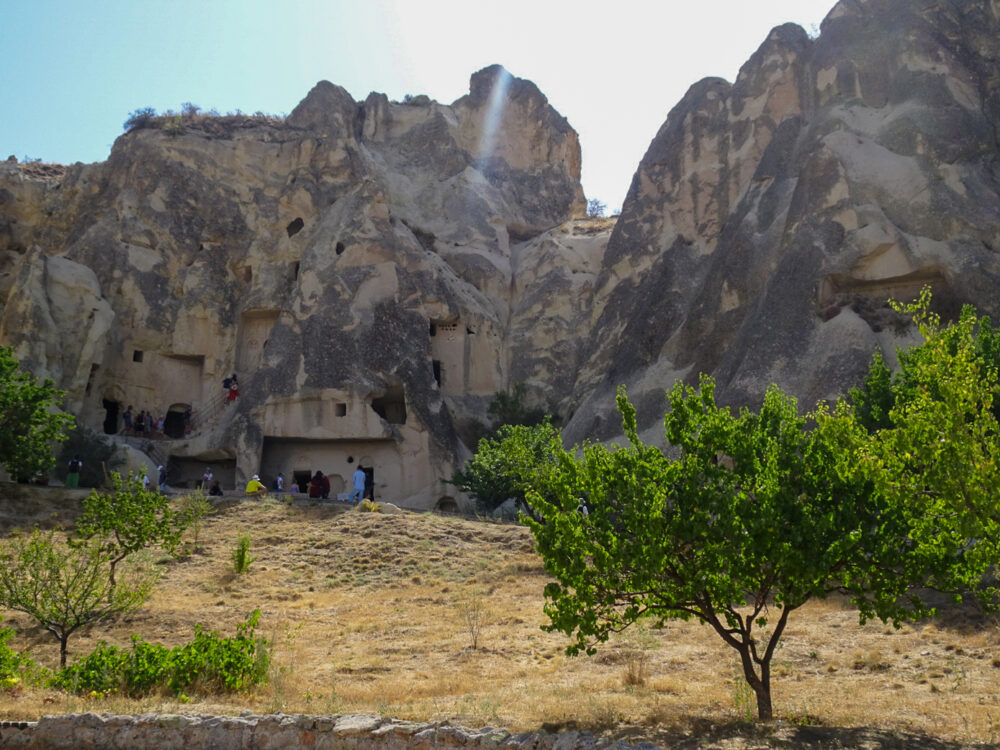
[[756, 516], [65, 588], [874, 400], [128, 519], [504, 465], [941, 456], [29, 422]]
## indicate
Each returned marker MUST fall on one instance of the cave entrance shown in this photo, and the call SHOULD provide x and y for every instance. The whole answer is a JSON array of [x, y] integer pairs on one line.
[[111, 417], [391, 406], [174, 426], [301, 478]]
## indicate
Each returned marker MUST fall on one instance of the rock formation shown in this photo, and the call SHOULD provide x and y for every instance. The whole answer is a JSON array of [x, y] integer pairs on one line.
[[771, 218], [376, 271], [352, 263]]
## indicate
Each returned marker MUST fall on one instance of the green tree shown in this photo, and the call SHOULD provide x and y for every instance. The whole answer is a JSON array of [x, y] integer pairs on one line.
[[127, 519], [504, 465], [941, 456], [65, 588], [755, 516], [29, 420]]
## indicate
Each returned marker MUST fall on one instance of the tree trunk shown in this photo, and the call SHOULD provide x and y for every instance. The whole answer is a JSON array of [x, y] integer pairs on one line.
[[761, 685], [63, 641], [764, 711]]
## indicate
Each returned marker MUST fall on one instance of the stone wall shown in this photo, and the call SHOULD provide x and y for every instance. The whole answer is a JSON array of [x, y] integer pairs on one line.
[[272, 732]]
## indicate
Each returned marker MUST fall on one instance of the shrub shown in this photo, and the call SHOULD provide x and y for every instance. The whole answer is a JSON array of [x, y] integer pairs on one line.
[[367, 506], [173, 126], [140, 118], [210, 662], [11, 662], [241, 555]]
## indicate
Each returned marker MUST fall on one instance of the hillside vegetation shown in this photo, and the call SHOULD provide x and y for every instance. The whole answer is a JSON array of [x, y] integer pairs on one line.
[[425, 617]]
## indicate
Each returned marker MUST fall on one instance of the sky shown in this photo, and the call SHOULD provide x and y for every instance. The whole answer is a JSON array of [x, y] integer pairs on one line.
[[71, 71]]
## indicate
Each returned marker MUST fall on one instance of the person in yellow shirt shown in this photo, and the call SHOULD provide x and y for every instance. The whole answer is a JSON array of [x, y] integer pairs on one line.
[[255, 487]]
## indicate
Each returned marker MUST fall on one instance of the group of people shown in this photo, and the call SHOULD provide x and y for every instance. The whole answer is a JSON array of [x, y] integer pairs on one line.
[[317, 488], [144, 424]]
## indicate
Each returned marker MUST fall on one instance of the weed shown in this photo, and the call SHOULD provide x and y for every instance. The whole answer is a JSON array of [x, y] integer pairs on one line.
[[475, 615], [241, 556], [744, 700], [635, 673]]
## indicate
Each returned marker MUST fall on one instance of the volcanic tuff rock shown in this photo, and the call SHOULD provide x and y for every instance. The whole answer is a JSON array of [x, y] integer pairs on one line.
[[771, 218], [352, 263], [376, 271]]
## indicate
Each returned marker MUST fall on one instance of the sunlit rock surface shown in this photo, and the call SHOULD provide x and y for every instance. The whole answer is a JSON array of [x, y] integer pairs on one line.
[[351, 263]]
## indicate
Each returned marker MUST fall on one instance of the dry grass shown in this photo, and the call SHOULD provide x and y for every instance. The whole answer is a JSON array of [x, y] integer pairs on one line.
[[371, 613]]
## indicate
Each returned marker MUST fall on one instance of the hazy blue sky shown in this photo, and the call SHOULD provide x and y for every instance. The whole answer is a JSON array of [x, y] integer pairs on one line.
[[72, 71]]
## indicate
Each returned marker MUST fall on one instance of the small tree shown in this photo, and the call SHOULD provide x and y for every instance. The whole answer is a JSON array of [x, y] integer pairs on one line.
[[29, 422], [756, 516], [139, 118], [65, 588], [596, 208], [128, 519], [505, 465]]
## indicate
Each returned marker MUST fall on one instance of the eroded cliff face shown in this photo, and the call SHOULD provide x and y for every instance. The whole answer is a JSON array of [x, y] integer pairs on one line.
[[772, 218], [376, 271], [352, 263]]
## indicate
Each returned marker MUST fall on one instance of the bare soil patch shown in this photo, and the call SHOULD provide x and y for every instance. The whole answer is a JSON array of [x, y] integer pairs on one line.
[[373, 613]]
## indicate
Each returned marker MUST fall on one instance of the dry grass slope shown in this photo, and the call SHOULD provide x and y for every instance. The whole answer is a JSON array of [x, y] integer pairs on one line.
[[377, 613]]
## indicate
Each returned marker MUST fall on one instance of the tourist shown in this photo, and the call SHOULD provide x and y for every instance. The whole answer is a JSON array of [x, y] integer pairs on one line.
[[316, 485], [127, 419], [234, 388], [160, 423], [326, 487], [73, 471], [162, 479], [279, 483], [207, 477], [359, 485], [215, 490], [145, 479], [140, 423], [255, 486]]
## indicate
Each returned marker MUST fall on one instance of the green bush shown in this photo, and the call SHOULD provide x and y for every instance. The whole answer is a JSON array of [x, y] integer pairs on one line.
[[12, 662], [209, 663], [241, 555]]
